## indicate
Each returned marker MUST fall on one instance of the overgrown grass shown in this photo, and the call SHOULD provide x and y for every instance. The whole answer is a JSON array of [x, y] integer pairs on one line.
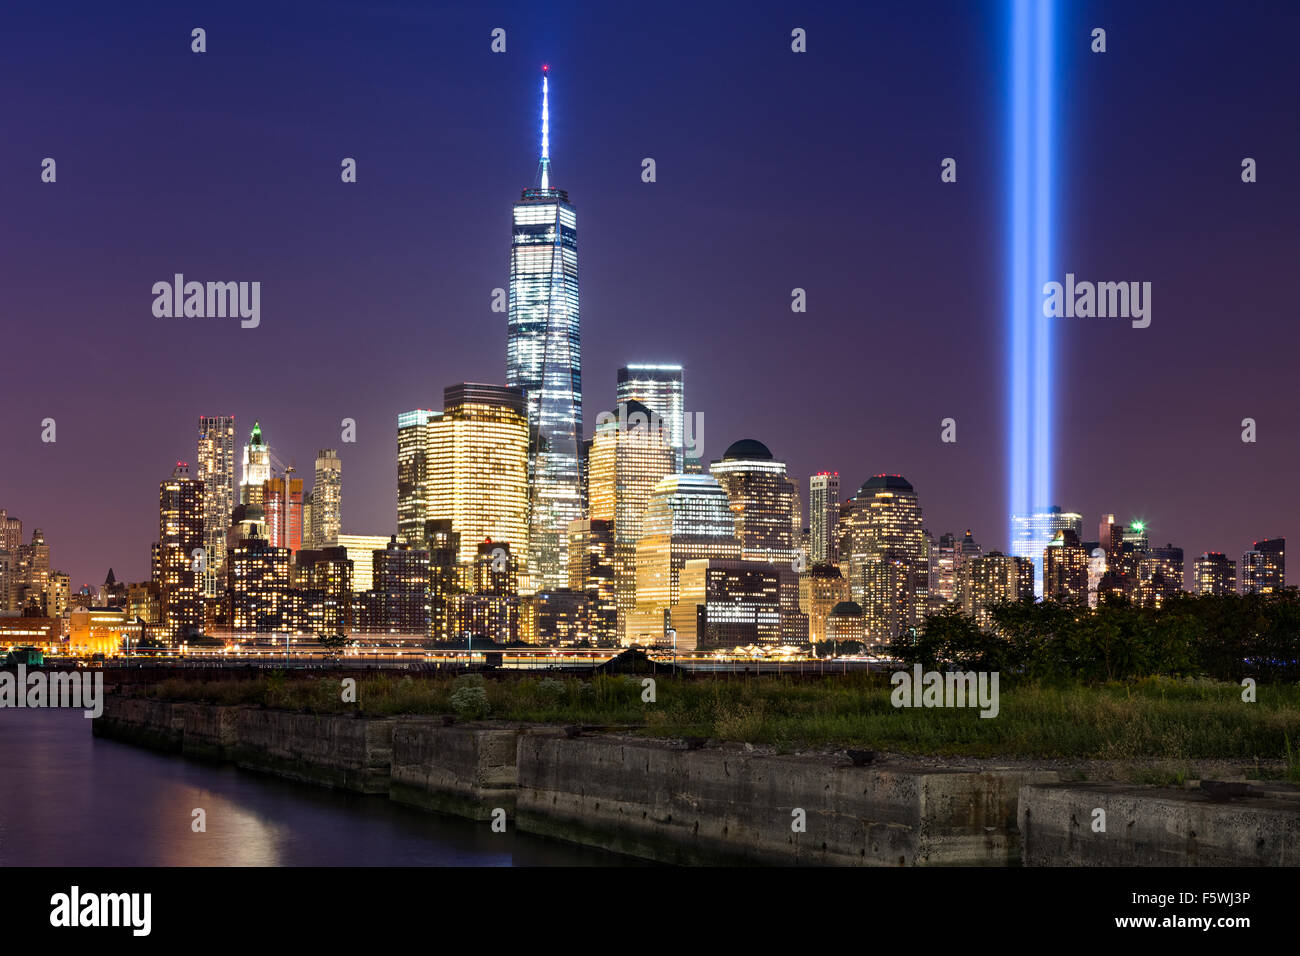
[[1176, 720]]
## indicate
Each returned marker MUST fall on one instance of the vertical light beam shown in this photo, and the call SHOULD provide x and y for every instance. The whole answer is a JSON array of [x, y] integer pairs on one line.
[[1030, 255]]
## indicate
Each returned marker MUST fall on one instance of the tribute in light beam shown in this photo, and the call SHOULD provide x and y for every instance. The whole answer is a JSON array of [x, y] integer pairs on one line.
[[1031, 192]]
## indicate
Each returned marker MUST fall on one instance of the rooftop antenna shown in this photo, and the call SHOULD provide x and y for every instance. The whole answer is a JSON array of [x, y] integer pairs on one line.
[[545, 163]]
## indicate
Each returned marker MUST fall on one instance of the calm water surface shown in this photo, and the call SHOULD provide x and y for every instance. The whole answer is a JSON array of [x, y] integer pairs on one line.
[[70, 799]]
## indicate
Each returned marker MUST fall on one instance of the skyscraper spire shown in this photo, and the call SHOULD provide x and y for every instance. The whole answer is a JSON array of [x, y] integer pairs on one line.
[[545, 164]]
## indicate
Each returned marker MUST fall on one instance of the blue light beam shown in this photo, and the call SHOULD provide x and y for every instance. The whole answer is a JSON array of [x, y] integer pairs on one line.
[[1030, 258]]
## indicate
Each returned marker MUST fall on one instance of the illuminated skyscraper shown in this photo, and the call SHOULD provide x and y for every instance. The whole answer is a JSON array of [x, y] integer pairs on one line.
[[282, 503], [820, 590], [544, 360], [1109, 534], [1065, 569], [180, 534], [399, 602], [762, 498], [661, 389], [1034, 532], [477, 472], [259, 588], [724, 603], [992, 579], [823, 515], [943, 571], [413, 473], [1096, 573], [360, 550], [765, 502], [591, 572], [688, 517], [216, 469], [627, 461], [1159, 575], [1216, 573], [11, 532], [325, 576], [885, 550], [326, 499], [257, 468], [1263, 568]]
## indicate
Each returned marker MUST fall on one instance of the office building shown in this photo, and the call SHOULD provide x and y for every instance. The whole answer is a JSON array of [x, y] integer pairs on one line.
[[992, 579], [627, 461], [1065, 569], [1034, 532], [544, 361], [478, 468], [688, 517], [661, 390]]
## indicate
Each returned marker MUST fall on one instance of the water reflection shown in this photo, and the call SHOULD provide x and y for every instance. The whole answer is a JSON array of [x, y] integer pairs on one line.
[[70, 799]]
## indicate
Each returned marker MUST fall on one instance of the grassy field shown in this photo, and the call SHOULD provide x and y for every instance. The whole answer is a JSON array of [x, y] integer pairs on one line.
[[1151, 718]]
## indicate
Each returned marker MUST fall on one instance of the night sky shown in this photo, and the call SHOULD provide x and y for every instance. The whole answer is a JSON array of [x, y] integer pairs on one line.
[[775, 171]]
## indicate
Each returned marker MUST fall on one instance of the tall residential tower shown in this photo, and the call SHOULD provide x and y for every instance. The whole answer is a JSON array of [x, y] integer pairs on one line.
[[216, 461]]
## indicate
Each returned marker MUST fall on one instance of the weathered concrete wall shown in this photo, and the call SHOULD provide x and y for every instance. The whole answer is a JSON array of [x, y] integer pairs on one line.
[[330, 750], [334, 750], [467, 771], [140, 721], [654, 800], [1159, 827], [661, 801]]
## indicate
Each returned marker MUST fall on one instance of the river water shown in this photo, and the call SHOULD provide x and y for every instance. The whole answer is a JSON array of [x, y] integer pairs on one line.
[[70, 799]]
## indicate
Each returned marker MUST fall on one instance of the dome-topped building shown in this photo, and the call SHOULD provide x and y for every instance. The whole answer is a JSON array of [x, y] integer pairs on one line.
[[747, 449]]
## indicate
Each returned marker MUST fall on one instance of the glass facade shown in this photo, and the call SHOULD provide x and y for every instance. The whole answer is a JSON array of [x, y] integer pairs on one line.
[[544, 360], [688, 517], [412, 473], [1032, 533], [661, 389]]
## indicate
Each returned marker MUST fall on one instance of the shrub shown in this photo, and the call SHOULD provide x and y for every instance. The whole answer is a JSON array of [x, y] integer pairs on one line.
[[470, 703]]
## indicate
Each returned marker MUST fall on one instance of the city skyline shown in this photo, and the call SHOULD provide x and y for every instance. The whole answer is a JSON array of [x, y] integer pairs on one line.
[[1129, 441]]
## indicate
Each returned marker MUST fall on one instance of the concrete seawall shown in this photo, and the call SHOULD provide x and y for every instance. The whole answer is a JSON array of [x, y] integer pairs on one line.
[[330, 750], [663, 801], [1159, 826]]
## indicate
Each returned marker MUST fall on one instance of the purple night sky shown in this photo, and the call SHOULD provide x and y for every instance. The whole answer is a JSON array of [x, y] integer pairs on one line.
[[775, 170]]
